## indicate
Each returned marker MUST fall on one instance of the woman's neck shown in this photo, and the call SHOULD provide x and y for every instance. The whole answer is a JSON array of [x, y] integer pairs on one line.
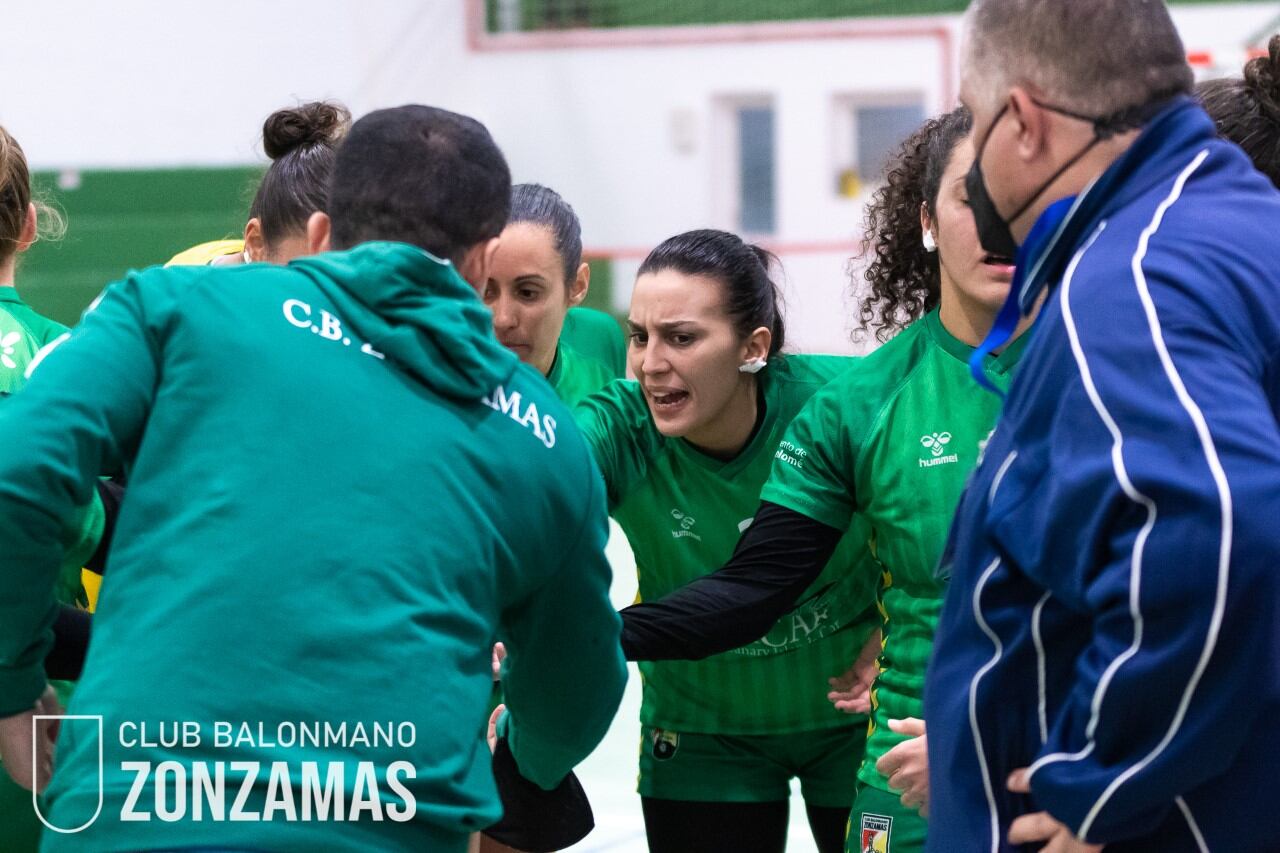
[[966, 320], [731, 430], [970, 320], [7, 269]]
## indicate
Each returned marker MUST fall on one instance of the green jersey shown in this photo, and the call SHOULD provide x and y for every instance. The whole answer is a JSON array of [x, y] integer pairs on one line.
[[683, 513], [894, 439], [23, 333], [575, 376], [597, 336], [386, 492]]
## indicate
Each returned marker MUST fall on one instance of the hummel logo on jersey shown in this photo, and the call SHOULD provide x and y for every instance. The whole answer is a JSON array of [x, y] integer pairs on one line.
[[686, 526], [936, 443], [7, 343]]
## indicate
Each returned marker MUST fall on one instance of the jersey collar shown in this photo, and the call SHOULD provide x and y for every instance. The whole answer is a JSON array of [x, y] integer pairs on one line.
[[999, 364]]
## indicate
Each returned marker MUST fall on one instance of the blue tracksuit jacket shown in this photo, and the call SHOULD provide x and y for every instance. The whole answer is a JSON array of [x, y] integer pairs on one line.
[[1113, 618]]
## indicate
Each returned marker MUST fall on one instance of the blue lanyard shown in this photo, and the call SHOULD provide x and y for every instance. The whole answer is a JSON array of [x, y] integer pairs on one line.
[[1034, 248]]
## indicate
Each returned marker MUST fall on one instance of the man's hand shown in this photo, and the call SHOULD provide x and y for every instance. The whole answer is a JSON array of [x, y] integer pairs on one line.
[[15, 743], [851, 691], [906, 766], [1041, 826]]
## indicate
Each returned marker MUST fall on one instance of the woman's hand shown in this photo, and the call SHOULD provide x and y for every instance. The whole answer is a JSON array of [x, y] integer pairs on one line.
[[851, 691], [493, 727]]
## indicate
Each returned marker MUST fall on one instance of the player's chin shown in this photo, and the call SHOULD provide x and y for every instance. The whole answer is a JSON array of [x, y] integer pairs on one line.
[[672, 424]]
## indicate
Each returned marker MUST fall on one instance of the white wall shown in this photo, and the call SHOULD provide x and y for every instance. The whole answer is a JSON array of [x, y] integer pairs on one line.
[[628, 134]]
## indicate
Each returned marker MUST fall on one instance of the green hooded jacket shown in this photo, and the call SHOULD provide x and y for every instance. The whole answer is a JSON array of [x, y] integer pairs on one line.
[[343, 490]]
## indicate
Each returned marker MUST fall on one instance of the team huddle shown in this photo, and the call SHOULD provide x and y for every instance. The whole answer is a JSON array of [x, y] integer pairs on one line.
[[1004, 583]]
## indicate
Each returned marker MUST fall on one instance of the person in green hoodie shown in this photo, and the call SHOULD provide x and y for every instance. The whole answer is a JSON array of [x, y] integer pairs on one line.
[[538, 278], [386, 492]]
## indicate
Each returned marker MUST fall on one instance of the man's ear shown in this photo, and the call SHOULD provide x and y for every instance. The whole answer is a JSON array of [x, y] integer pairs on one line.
[[580, 285], [1030, 122], [318, 232], [477, 261]]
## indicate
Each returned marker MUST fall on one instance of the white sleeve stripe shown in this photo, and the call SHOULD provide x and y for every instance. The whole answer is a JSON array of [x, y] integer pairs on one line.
[[1122, 476], [1042, 709], [1191, 822], [973, 702], [1220, 482], [999, 477]]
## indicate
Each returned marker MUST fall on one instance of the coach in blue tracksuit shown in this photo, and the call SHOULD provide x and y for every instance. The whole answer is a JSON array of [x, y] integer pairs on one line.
[[1107, 668]]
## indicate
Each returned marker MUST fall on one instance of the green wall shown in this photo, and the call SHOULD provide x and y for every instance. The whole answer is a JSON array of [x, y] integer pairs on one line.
[[117, 220], [120, 220], [560, 14]]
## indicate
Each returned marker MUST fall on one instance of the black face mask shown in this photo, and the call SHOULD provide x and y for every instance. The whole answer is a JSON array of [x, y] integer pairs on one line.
[[993, 229]]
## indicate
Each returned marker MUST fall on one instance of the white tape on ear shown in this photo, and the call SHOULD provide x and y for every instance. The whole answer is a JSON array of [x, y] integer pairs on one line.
[[755, 365], [930, 244]]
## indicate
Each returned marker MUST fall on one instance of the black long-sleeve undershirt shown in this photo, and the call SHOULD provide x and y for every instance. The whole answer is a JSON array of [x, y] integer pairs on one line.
[[779, 556], [71, 630]]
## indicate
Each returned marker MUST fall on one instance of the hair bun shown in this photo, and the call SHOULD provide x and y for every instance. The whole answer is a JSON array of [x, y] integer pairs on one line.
[[315, 123], [1262, 76]]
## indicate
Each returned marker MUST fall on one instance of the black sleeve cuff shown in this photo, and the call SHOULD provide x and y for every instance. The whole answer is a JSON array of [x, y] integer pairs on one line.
[[70, 644], [535, 820]]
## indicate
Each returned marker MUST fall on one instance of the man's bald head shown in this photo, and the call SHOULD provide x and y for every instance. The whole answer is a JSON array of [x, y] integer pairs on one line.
[[1096, 57]]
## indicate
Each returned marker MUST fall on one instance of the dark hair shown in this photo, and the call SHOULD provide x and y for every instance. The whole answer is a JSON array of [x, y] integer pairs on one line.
[[752, 299], [538, 205], [1098, 57], [904, 278], [419, 175], [16, 196], [1247, 111], [300, 142]]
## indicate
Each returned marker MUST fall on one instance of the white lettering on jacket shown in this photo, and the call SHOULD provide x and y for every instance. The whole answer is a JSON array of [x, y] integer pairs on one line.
[[510, 404]]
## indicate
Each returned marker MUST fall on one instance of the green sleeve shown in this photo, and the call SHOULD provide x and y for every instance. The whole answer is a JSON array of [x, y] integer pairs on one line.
[[564, 673], [813, 464], [615, 422], [92, 410], [597, 335]]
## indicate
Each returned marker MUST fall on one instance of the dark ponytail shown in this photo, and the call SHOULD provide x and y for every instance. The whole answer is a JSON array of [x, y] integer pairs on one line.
[[301, 142], [1247, 111], [752, 299], [538, 205]]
